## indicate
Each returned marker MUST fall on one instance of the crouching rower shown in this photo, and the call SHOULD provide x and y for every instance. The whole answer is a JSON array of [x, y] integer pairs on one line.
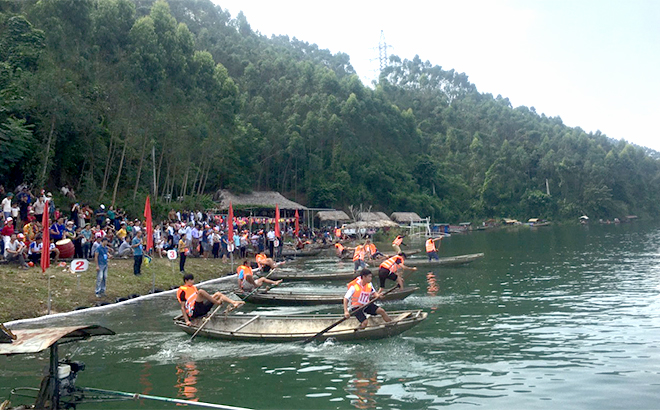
[[246, 280], [360, 292], [197, 302], [264, 263], [388, 268]]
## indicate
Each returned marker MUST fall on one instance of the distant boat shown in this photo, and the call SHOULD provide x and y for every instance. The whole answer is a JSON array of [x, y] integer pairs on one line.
[[447, 261], [307, 299], [535, 222], [293, 328], [300, 276]]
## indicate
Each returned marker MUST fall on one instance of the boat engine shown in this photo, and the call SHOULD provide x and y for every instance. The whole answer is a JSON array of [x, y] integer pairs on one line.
[[67, 372]]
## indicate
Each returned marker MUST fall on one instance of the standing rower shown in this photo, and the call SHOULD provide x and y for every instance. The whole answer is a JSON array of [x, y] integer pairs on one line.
[[396, 243], [431, 250]]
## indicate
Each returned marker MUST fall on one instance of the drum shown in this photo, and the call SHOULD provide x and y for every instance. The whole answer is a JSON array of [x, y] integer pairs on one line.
[[66, 248]]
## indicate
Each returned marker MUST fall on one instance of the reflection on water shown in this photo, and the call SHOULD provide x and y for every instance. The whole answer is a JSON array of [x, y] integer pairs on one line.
[[363, 387], [186, 380], [556, 318], [145, 381]]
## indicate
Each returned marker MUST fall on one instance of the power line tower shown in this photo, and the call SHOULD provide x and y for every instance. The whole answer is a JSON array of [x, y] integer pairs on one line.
[[382, 51]]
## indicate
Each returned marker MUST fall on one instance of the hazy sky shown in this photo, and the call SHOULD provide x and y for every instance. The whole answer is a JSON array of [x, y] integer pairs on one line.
[[595, 63]]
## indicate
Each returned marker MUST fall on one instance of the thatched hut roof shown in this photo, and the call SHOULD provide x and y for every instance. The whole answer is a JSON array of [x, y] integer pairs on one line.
[[332, 216], [264, 199], [374, 216], [405, 217], [371, 224]]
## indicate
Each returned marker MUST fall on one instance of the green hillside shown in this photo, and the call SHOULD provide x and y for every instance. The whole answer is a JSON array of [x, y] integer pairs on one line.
[[119, 98]]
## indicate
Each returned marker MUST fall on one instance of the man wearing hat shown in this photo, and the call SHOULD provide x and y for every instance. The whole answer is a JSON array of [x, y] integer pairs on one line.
[[100, 215]]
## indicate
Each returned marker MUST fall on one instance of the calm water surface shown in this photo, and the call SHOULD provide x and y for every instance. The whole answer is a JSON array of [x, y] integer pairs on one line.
[[551, 318]]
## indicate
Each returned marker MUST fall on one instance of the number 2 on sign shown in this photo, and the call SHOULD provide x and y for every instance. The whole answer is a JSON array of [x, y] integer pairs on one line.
[[79, 265]]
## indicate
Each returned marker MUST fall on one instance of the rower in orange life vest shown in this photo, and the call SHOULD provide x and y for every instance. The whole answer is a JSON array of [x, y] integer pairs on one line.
[[197, 302], [431, 250], [265, 263], [246, 280], [358, 258], [388, 268], [339, 248], [371, 251], [396, 244], [360, 292]]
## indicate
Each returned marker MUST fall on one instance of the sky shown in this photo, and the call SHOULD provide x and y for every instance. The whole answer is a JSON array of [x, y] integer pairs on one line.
[[594, 63]]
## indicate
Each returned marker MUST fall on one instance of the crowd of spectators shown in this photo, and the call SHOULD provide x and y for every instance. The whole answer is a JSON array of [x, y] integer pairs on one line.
[[190, 233]]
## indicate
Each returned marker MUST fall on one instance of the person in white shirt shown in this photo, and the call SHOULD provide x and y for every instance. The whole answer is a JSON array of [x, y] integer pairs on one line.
[[15, 251], [6, 206]]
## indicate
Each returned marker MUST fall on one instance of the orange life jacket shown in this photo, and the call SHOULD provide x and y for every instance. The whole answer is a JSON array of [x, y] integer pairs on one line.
[[359, 253], [430, 245], [261, 258], [190, 294], [398, 240], [391, 263], [361, 294], [371, 248], [243, 271], [339, 247]]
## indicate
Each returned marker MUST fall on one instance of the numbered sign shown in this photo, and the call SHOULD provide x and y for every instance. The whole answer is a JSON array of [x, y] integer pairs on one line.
[[230, 247], [171, 254], [79, 265]]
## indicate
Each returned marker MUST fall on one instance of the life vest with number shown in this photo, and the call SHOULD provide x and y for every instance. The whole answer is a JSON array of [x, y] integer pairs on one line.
[[190, 296], [392, 264], [398, 240], [361, 294], [430, 245], [358, 255]]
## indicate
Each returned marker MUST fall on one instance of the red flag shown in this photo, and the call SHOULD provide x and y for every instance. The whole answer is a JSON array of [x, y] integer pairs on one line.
[[230, 225], [297, 230], [45, 244], [150, 226], [277, 220]]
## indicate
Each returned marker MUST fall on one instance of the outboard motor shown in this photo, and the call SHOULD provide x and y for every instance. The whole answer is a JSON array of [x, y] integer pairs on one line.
[[69, 394]]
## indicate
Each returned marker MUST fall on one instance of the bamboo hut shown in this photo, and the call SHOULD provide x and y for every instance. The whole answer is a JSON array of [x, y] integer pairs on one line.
[[336, 217], [405, 217], [374, 217], [255, 200]]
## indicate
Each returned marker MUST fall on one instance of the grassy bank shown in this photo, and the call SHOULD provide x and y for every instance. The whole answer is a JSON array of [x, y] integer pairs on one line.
[[25, 292]]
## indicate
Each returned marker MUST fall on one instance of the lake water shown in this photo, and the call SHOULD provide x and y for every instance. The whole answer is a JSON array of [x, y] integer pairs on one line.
[[550, 318]]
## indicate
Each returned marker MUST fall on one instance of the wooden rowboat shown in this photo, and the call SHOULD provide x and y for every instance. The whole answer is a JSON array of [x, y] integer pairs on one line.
[[410, 252], [300, 276], [307, 299], [448, 261], [292, 328], [301, 253]]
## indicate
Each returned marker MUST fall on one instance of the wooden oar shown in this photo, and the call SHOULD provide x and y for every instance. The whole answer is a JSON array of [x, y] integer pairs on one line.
[[353, 313]]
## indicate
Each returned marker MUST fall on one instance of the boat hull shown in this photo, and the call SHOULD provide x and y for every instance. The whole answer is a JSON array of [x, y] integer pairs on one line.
[[311, 299], [294, 328], [448, 261], [305, 276]]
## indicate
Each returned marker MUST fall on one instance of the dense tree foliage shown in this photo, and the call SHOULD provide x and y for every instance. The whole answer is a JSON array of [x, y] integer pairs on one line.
[[119, 98]]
